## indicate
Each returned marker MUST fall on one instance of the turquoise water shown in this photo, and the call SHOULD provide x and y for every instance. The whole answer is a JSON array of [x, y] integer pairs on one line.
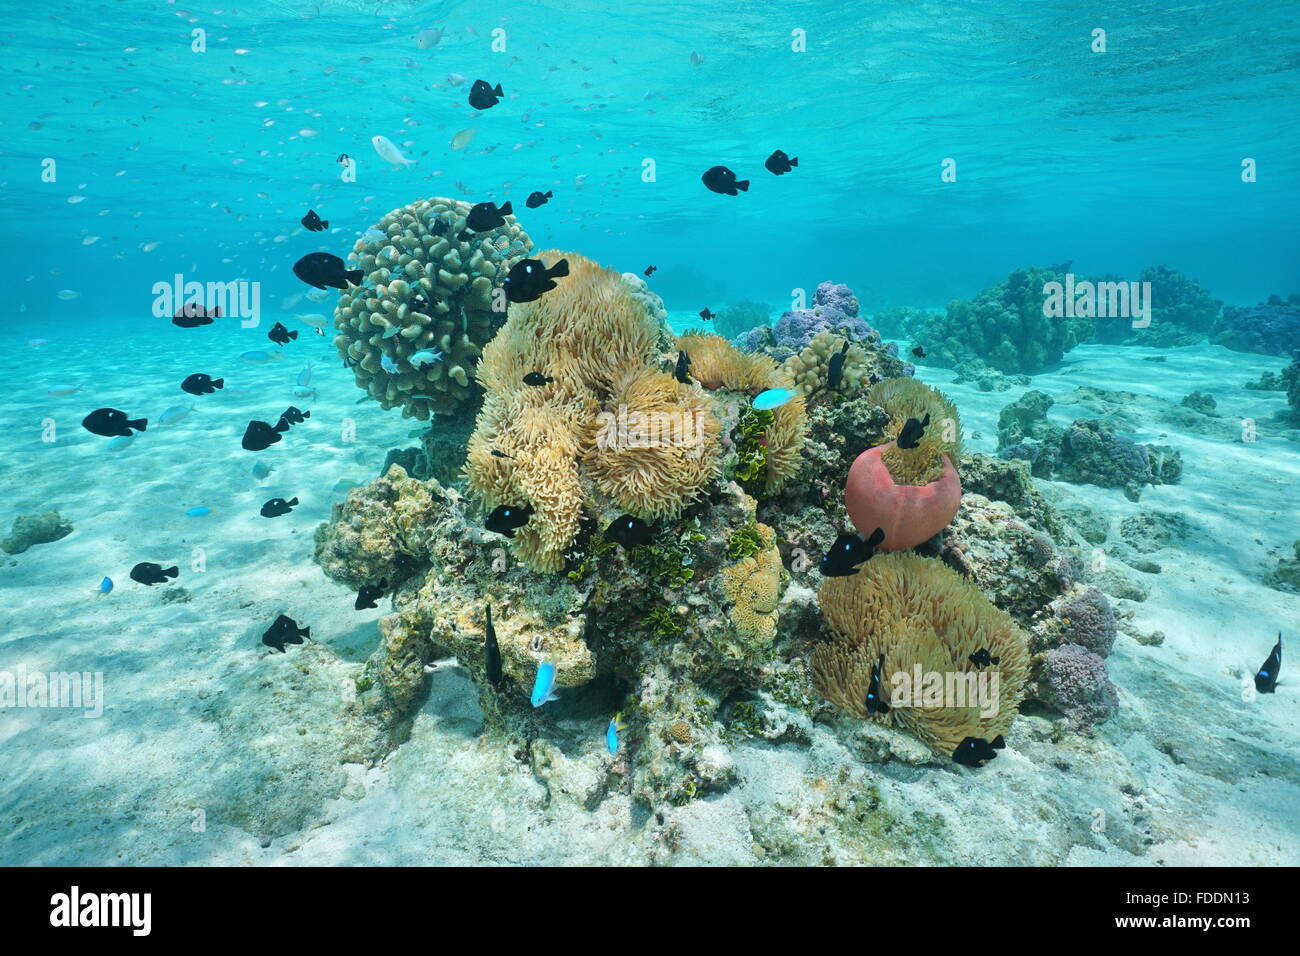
[[127, 158]]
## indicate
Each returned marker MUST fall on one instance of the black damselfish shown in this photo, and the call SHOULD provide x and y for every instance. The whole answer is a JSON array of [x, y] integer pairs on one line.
[[293, 415], [507, 519], [284, 631], [369, 594], [483, 95], [720, 179], [146, 572], [650, 270], [200, 384], [528, 279], [848, 551], [313, 223], [192, 315], [835, 368], [259, 435], [973, 751], [491, 653], [280, 335], [321, 269], [705, 314], [486, 215], [683, 363], [1266, 679], [778, 164], [875, 703], [981, 658], [537, 379], [919, 351], [913, 431], [627, 530], [277, 507], [112, 422], [538, 198]]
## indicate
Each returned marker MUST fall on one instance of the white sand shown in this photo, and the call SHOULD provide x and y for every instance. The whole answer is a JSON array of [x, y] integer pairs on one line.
[[200, 715]]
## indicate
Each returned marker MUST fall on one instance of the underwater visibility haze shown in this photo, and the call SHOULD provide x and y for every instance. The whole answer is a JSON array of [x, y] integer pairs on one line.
[[814, 433]]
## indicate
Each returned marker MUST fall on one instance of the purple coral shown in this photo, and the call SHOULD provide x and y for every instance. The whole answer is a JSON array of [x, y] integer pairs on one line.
[[1075, 683], [1089, 620], [834, 308]]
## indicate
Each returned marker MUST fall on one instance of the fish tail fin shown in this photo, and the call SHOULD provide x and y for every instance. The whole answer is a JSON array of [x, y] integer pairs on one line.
[[742, 185], [293, 334], [998, 743], [282, 425], [218, 383], [293, 502], [354, 276], [795, 161], [549, 194], [506, 210], [325, 223], [173, 572], [497, 91], [307, 414], [138, 423], [305, 632], [561, 268]]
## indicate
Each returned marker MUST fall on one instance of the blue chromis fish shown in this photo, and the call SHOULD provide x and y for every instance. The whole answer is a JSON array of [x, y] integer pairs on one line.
[[260, 357], [105, 586], [388, 365], [544, 685], [611, 732], [199, 512], [772, 398]]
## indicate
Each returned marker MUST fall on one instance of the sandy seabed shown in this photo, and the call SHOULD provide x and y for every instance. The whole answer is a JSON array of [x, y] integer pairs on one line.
[[212, 749]]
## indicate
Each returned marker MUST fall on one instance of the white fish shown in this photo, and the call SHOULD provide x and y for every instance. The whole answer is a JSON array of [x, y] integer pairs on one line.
[[428, 39], [120, 442], [461, 139], [388, 152], [374, 235], [60, 390], [67, 295], [455, 79], [90, 240], [260, 357], [37, 343], [302, 391], [314, 319], [317, 295], [149, 247], [696, 59], [289, 301], [388, 365], [304, 377], [175, 414], [391, 331], [424, 357]]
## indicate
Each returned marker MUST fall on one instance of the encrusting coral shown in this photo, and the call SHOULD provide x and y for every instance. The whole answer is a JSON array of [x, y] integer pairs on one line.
[[428, 286], [753, 586], [917, 612]]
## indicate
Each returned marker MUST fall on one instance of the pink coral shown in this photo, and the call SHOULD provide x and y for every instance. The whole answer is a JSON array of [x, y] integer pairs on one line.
[[1075, 683]]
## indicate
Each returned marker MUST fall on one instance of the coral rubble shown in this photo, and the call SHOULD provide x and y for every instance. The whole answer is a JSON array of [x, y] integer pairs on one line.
[[33, 529]]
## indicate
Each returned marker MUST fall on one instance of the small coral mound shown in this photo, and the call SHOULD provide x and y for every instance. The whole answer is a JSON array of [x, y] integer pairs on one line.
[[752, 585], [919, 614], [810, 367], [834, 308], [716, 363], [428, 286], [1182, 311], [905, 398], [35, 529], [1075, 683], [1270, 328]]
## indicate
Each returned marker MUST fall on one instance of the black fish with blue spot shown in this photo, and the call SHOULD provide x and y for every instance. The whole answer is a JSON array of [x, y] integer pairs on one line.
[[683, 363], [321, 269], [112, 422], [875, 703], [528, 279], [492, 653], [483, 95], [973, 751], [277, 507], [629, 531], [537, 379], [146, 572], [313, 223], [486, 215], [913, 431], [538, 198], [848, 551], [981, 658], [280, 335], [200, 384], [284, 631], [778, 164], [507, 519], [369, 594], [720, 179]]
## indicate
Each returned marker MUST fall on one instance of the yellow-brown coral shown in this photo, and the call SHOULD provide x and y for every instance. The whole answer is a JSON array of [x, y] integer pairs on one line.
[[716, 363], [428, 289], [598, 335], [809, 368], [753, 585], [905, 398], [917, 612]]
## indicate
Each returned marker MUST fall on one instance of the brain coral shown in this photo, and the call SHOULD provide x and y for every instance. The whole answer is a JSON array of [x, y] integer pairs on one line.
[[753, 585], [426, 287], [916, 611]]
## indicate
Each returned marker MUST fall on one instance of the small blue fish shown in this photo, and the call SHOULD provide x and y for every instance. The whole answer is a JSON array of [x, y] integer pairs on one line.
[[544, 685], [105, 586], [261, 470], [772, 398], [425, 357], [374, 235], [611, 733], [304, 377], [388, 365], [199, 512], [260, 357]]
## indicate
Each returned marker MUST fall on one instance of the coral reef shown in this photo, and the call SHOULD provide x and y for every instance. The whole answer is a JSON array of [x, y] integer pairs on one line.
[[919, 615], [1075, 683], [1286, 576], [28, 530], [739, 317], [1182, 312], [1087, 452], [428, 286], [1290, 378], [1004, 326], [809, 368], [834, 309], [987, 379], [1270, 328], [907, 398]]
